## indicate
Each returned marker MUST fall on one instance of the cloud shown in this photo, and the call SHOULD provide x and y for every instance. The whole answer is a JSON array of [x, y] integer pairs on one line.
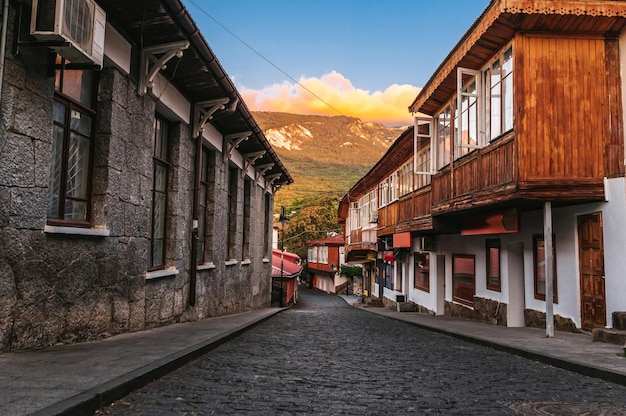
[[333, 94]]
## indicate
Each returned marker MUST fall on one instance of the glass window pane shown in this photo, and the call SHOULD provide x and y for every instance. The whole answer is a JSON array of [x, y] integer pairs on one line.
[[78, 85], [158, 217], [157, 251], [80, 123], [77, 166], [160, 178], [58, 112], [75, 210]]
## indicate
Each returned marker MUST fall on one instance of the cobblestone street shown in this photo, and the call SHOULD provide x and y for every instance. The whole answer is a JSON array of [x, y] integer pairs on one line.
[[324, 357]]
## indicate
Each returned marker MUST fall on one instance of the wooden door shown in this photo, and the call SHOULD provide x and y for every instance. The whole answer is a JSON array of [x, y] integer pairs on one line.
[[591, 257]]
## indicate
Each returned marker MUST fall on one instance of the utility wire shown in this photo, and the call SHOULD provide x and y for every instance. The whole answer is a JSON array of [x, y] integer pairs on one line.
[[264, 58]]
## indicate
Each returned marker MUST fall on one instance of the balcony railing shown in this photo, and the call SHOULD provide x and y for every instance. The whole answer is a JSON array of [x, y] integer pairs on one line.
[[484, 169]]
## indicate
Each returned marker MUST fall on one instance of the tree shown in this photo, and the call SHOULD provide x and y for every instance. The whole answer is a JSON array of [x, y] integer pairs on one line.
[[310, 218]]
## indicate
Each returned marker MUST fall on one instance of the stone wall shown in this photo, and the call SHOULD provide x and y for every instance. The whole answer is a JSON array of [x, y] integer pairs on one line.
[[486, 310], [62, 288], [537, 319]]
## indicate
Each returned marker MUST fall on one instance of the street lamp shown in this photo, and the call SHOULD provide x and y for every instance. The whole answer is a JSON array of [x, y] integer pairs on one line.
[[282, 223]]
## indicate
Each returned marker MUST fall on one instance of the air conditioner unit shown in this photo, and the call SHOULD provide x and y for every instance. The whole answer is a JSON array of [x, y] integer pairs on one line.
[[74, 28], [427, 243], [374, 219]]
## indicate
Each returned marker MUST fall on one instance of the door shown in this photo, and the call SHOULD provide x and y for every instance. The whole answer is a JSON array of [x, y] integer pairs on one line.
[[591, 258]]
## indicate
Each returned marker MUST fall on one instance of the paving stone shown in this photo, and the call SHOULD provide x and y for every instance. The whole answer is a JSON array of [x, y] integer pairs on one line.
[[323, 357]]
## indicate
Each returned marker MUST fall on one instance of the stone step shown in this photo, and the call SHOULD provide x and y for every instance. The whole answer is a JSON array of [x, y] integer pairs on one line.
[[610, 335], [373, 302]]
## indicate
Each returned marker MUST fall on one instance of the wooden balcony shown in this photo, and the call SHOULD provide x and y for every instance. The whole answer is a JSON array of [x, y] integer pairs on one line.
[[411, 212], [491, 177], [323, 267]]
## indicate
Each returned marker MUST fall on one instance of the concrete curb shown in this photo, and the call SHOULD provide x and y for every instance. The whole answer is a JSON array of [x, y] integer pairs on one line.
[[584, 369], [90, 401]]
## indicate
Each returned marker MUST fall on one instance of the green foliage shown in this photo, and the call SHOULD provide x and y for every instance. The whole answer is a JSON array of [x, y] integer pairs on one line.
[[310, 218], [351, 271]]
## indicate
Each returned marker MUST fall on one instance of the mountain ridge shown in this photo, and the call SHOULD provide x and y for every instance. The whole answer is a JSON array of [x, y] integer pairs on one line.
[[325, 155]]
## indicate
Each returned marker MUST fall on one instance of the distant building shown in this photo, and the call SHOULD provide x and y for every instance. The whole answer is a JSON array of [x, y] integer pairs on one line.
[[286, 271], [324, 260], [136, 189]]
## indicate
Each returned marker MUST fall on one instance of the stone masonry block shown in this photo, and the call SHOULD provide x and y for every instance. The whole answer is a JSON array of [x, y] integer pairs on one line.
[[619, 320]]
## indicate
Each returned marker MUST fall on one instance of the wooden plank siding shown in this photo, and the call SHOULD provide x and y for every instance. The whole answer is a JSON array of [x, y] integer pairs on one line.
[[411, 212], [568, 130], [567, 125]]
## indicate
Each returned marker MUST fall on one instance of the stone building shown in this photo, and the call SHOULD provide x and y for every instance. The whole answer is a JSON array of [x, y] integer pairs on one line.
[[136, 189]]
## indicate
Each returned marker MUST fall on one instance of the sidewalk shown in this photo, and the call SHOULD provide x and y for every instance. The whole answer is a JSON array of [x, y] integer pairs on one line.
[[574, 352], [78, 379]]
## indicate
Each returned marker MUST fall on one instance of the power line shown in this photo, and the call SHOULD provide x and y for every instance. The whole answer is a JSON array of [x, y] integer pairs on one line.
[[246, 44]]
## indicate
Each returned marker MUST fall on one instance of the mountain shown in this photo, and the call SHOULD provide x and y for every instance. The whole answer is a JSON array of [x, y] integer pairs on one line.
[[326, 155]]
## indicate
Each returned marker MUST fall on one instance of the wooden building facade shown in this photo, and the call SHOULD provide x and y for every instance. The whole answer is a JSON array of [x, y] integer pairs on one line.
[[519, 134]]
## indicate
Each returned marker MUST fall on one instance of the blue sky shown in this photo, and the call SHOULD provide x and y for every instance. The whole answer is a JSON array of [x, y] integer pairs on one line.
[[342, 51]]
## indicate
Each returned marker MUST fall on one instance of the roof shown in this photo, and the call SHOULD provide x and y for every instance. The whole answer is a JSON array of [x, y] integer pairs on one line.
[[497, 26], [291, 264], [198, 75], [337, 240]]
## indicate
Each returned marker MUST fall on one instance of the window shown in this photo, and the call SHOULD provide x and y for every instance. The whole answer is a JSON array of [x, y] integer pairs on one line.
[[72, 148], [231, 211], [493, 264], [405, 178], [463, 279], [373, 206], [205, 211], [539, 263], [393, 187], [247, 195], [312, 254], [442, 143], [422, 158], [266, 226], [323, 254], [498, 79], [422, 271], [159, 195], [466, 127], [384, 193]]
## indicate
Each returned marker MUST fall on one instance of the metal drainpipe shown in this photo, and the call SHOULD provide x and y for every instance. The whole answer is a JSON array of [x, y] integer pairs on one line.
[[195, 226], [3, 45]]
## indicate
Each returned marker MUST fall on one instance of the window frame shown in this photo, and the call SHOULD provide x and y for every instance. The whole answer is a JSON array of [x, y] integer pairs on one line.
[[231, 212], [159, 161], [70, 85], [456, 275], [493, 243], [421, 261], [62, 196], [247, 220], [536, 264]]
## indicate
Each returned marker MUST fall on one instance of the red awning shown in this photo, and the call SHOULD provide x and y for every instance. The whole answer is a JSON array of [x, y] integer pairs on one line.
[[291, 266]]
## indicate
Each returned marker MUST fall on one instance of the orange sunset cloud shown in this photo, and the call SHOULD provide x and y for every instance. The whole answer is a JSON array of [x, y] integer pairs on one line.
[[332, 95]]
